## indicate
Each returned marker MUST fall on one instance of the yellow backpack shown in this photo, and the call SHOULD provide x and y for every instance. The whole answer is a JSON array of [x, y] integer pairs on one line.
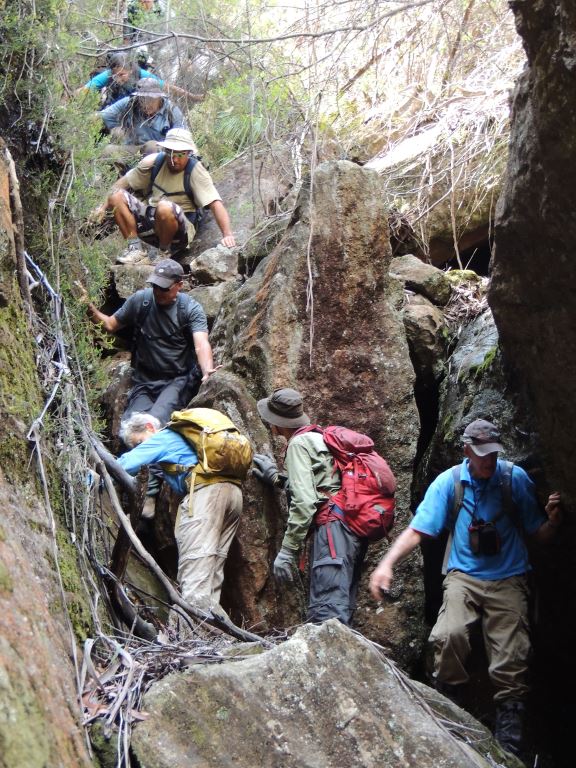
[[223, 452]]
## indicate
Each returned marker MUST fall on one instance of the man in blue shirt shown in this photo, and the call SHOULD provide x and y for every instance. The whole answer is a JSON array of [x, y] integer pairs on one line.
[[205, 526], [486, 573]]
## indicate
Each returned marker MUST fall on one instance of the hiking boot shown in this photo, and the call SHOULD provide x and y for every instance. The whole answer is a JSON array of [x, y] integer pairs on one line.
[[134, 254], [508, 728]]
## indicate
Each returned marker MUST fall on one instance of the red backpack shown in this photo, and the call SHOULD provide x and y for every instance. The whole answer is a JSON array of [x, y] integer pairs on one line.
[[366, 496]]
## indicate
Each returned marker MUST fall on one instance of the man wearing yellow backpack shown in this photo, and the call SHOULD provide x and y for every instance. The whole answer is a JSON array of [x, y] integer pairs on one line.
[[203, 457]]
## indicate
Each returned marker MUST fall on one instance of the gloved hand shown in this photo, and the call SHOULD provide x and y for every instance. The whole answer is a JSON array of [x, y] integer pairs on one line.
[[282, 565], [265, 469]]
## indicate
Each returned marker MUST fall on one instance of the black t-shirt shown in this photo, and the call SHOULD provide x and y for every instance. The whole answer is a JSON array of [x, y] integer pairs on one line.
[[163, 347]]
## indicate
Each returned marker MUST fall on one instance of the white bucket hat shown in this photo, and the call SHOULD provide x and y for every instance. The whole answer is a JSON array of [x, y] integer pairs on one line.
[[179, 139]]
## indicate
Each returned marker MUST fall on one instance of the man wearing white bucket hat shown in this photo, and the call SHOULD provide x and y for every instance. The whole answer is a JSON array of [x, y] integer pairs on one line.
[[176, 187]]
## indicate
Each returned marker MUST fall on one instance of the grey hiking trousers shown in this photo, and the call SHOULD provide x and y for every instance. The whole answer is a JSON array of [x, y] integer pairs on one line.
[[336, 558]]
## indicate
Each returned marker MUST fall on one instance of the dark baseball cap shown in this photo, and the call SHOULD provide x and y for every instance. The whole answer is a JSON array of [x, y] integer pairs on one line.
[[166, 273], [284, 408], [483, 437]]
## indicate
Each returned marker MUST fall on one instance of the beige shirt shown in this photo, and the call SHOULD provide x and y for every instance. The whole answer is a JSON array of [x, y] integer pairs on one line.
[[165, 182]]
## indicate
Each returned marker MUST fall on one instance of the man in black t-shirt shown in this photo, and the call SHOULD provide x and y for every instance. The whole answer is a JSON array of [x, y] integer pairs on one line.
[[171, 353]]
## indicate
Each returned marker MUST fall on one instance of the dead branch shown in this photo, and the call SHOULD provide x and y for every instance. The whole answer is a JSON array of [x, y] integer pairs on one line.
[[18, 229]]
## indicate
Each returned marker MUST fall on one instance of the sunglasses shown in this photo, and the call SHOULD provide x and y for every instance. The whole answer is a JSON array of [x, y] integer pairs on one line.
[[162, 290], [173, 153]]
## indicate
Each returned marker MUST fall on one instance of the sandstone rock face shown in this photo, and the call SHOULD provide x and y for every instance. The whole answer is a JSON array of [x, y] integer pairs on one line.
[[300, 705], [532, 296], [475, 387], [130, 278], [422, 278], [39, 711], [533, 274], [248, 192], [319, 315], [39, 708], [211, 298]]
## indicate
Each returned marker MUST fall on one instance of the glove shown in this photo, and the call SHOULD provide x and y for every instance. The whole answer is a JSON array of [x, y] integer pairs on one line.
[[265, 469], [282, 565]]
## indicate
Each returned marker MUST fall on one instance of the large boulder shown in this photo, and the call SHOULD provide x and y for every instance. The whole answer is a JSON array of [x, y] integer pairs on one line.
[[422, 278], [319, 315], [532, 287], [299, 705], [426, 333]]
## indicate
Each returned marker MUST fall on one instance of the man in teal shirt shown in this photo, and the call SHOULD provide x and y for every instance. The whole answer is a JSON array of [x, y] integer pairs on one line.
[[486, 573]]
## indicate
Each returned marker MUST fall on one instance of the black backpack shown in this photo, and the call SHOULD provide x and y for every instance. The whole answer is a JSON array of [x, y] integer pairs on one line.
[[197, 215], [143, 312]]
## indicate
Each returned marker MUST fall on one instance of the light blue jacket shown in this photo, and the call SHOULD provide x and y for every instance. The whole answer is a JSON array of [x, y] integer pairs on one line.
[[165, 445], [139, 129]]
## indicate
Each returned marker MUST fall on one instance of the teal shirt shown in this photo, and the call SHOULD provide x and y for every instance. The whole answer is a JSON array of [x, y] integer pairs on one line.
[[482, 499], [311, 480]]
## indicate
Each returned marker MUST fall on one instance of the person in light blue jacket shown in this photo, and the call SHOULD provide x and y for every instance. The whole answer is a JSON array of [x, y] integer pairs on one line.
[[137, 122], [119, 80], [204, 529]]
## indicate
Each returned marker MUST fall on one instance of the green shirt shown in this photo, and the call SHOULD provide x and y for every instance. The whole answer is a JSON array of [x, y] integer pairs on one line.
[[311, 480]]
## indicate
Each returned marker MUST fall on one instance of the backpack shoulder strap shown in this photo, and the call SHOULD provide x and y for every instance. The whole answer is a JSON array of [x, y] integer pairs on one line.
[[143, 311], [155, 170], [454, 512], [182, 319], [509, 507], [458, 496], [190, 165]]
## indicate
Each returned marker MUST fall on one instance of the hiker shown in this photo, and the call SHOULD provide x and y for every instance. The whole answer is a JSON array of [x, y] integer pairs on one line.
[[204, 531], [486, 571], [177, 187], [140, 14], [311, 480], [137, 122], [120, 77], [171, 353]]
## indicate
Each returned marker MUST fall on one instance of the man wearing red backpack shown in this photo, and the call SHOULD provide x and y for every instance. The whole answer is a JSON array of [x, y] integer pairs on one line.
[[313, 484]]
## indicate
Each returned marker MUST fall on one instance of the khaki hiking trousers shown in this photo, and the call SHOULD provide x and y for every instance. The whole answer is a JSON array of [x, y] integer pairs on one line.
[[204, 540], [501, 608]]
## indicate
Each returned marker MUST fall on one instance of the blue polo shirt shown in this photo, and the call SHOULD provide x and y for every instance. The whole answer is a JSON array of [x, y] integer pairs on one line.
[[482, 499], [165, 445]]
